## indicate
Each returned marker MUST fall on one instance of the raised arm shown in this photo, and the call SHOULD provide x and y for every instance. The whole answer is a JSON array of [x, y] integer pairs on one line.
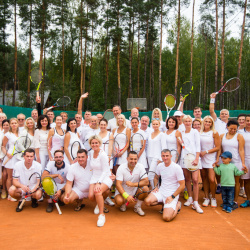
[[211, 106], [79, 110]]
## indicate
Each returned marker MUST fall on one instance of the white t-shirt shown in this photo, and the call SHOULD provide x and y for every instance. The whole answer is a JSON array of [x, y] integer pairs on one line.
[[23, 174], [181, 127], [220, 126], [112, 124], [64, 126], [52, 125], [81, 176], [20, 130], [123, 174], [170, 177], [52, 169]]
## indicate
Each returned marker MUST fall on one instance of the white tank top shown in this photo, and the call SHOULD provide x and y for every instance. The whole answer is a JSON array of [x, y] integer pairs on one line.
[[246, 136], [231, 145], [207, 143], [171, 141], [156, 145], [120, 139], [105, 143], [57, 140]]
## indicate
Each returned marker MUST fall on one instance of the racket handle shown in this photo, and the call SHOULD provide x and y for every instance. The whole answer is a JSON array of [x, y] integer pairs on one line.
[[115, 161], [180, 140], [127, 203], [6, 161], [50, 108], [58, 208], [22, 203], [179, 106], [217, 93], [37, 93]]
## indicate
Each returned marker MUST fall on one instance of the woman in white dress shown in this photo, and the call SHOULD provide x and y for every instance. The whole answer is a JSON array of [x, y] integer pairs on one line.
[[138, 143], [191, 139], [71, 136], [6, 128], [172, 135], [2, 117], [41, 140], [122, 140], [56, 138], [210, 145], [234, 143], [156, 143], [10, 138], [157, 115], [100, 182]]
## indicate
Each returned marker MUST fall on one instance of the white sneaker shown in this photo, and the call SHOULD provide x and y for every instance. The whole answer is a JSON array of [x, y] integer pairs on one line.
[[101, 220], [213, 202], [241, 192], [206, 202], [109, 202], [188, 202], [96, 210], [28, 198], [41, 199], [197, 208], [123, 207], [244, 196], [139, 210]]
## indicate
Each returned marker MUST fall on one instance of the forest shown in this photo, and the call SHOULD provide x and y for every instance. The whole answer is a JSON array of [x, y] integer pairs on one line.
[[119, 49]]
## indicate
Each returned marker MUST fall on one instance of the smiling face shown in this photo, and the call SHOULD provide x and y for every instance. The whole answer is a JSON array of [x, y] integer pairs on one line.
[[116, 111], [72, 125], [21, 120], [95, 144], [134, 123], [171, 123], [208, 123], [6, 127], [242, 121], [155, 124], [44, 123], [30, 124], [59, 121], [103, 125], [187, 123], [232, 129]]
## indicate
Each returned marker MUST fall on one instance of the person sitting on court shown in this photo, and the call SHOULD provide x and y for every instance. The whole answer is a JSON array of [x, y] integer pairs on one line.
[[228, 171], [172, 184], [22, 171], [127, 178], [57, 170]]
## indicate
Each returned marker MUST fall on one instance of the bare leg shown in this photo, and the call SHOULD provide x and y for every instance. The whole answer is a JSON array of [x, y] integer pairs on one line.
[[169, 213], [247, 188], [237, 188], [204, 176], [187, 175], [211, 178], [195, 179]]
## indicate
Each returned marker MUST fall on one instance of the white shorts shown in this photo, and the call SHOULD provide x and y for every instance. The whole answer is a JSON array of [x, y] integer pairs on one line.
[[247, 175], [107, 181], [161, 198], [80, 194]]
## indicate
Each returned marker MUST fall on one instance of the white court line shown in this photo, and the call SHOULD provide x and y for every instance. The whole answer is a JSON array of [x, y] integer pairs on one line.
[[232, 225]]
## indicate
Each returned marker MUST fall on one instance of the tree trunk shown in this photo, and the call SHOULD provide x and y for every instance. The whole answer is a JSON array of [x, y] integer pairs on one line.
[[63, 73], [15, 62], [205, 75], [130, 60], [85, 55], [153, 79], [222, 51], [160, 58], [145, 63], [216, 49], [118, 72], [177, 48], [240, 54], [81, 84], [138, 61], [191, 61], [29, 70]]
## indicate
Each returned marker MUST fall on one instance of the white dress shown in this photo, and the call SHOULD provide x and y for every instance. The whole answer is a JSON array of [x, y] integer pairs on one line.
[[122, 141], [100, 168], [171, 142], [57, 141], [232, 145], [12, 138], [207, 143], [246, 136]]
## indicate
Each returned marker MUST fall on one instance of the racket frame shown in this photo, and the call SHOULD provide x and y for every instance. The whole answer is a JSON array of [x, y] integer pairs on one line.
[[118, 150], [168, 108], [224, 86], [37, 83], [186, 94], [71, 150], [131, 142], [55, 105]]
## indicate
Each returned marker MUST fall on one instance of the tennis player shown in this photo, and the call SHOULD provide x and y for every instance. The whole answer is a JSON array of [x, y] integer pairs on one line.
[[86, 122], [179, 116], [21, 122], [157, 115], [22, 171], [64, 116], [79, 126], [197, 112], [57, 170], [127, 177], [172, 184]]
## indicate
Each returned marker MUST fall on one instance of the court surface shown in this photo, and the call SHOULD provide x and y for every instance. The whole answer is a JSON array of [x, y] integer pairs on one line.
[[36, 229]]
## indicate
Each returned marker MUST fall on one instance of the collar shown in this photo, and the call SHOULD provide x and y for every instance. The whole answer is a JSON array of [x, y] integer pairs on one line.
[[63, 166]]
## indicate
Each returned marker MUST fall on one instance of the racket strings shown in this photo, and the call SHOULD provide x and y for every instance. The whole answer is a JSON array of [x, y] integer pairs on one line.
[[186, 87], [64, 101], [49, 186], [232, 84], [36, 76], [169, 101]]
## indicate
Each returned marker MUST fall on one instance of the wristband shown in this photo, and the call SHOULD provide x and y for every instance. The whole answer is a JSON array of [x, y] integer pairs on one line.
[[207, 151], [125, 195], [212, 100]]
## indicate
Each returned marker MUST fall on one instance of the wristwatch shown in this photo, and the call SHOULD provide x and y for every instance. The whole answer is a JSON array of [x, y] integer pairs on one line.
[[172, 196]]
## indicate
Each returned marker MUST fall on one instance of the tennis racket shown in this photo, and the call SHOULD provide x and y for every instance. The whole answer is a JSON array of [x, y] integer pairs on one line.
[[21, 144], [169, 102], [120, 142], [230, 86], [137, 142], [36, 76], [175, 155], [188, 158], [34, 183], [50, 188], [108, 114], [74, 149], [185, 90], [61, 102], [140, 191], [55, 143]]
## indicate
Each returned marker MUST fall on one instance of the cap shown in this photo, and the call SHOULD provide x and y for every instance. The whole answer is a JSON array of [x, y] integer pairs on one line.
[[178, 113], [227, 154]]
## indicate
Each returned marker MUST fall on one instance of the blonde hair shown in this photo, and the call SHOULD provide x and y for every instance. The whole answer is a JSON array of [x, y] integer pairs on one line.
[[160, 114], [31, 119], [4, 115], [95, 137], [123, 117], [212, 120], [185, 117], [14, 119]]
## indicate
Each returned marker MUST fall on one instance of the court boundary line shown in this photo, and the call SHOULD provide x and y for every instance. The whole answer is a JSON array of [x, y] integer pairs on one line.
[[232, 225]]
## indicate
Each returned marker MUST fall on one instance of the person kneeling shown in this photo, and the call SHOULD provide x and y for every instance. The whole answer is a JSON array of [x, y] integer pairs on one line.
[[172, 184], [127, 178], [21, 183]]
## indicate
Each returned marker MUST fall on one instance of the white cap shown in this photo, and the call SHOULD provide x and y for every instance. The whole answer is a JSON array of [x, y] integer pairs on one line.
[[178, 113]]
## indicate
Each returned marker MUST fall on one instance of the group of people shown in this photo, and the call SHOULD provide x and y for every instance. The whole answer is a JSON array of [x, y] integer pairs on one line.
[[219, 145]]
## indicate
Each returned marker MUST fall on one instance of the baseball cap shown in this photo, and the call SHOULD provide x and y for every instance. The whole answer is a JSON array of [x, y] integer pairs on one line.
[[178, 113], [226, 154]]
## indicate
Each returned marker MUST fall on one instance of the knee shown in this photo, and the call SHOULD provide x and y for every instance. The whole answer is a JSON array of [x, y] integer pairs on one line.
[[91, 197], [119, 201], [167, 218], [12, 190], [147, 202]]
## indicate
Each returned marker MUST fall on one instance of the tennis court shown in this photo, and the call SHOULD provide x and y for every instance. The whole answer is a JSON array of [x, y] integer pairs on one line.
[[36, 229]]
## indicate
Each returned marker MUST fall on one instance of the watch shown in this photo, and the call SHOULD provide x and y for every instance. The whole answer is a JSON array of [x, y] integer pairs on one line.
[[172, 196]]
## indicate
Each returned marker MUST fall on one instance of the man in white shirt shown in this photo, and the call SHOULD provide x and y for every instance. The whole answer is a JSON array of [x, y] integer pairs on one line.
[[172, 184], [79, 126], [57, 170], [21, 122], [21, 174], [135, 113], [51, 116], [197, 112], [86, 122], [127, 178]]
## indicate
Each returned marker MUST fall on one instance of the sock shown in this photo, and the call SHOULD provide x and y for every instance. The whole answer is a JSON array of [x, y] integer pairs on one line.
[[219, 185], [190, 198], [195, 203], [138, 203], [49, 200]]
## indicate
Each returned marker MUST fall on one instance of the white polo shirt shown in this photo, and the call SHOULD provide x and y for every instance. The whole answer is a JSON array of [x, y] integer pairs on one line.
[[112, 124], [81, 176], [123, 174], [23, 174], [220, 126]]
